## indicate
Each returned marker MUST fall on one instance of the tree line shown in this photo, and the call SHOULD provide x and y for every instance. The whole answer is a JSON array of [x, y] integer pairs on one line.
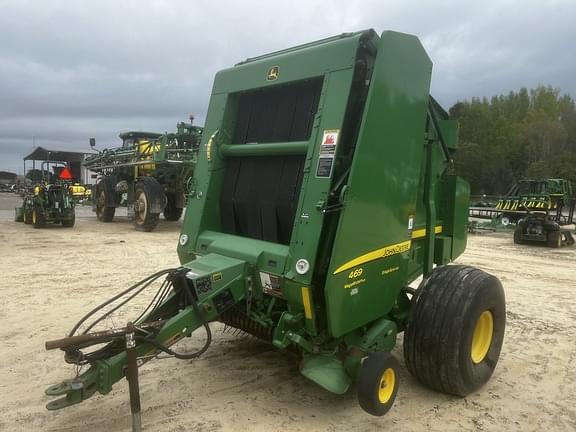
[[524, 134]]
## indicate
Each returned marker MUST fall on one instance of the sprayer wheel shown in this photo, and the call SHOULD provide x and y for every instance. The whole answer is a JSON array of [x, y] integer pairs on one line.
[[455, 329], [171, 212], [377, 383], [144, 219], [103, 213]]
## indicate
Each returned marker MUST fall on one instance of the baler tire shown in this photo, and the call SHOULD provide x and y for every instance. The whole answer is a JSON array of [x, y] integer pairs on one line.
[[144, 220], [377, 373], [38, 220], [455, 329], [554, 239], [518, 236], [103, 213]]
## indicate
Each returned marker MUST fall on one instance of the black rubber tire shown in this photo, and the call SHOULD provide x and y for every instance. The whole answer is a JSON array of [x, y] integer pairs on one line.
[[38, 220], [70, 222], [28, 217], [518, 236], [171, 212], [369, 381], [554, 239], [145, 221], [441, 324], [103, 213]]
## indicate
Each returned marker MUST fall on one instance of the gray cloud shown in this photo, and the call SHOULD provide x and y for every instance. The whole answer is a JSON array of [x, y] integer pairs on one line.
[[71, 70]]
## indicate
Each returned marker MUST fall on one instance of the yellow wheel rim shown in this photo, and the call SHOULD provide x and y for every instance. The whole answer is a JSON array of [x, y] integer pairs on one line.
[[386, 387], [482, 338]]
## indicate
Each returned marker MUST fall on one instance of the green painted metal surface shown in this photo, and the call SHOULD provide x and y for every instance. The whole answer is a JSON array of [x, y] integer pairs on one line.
[[382, 188], [371, 222], [326, 371]]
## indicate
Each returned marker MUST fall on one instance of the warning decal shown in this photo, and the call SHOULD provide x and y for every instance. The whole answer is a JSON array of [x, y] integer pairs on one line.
[[327, 153]]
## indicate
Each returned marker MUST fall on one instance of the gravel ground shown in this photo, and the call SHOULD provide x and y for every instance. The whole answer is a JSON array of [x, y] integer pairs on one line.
[[51, 277]]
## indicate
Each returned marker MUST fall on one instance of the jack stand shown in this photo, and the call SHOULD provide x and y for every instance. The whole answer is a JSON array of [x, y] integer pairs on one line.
[[132, 377]]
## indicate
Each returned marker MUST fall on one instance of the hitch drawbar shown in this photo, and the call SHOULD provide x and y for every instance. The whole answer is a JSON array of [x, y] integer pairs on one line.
[[187, 299]]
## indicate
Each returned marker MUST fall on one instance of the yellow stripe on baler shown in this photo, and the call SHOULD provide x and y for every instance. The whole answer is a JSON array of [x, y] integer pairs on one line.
[[376, 254], [386, 251], [419, 233]]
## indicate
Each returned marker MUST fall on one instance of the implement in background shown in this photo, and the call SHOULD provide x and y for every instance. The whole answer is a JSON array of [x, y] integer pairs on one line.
[[540, 210], [149, 174]]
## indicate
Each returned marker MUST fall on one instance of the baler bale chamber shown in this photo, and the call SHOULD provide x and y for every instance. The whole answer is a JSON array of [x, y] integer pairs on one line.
[[323, 188]]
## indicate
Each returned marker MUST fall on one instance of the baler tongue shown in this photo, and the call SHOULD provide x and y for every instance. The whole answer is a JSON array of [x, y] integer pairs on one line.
[[189, 298], [74, 391]]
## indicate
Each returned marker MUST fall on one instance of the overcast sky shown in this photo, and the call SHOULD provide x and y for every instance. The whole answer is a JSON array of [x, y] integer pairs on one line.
[[70, 70]]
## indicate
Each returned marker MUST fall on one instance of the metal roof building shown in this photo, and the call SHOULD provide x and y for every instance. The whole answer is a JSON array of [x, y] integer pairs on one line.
[[55, 157]]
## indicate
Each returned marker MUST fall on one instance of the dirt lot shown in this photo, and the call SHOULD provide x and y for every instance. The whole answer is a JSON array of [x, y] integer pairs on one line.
[[51, 277]]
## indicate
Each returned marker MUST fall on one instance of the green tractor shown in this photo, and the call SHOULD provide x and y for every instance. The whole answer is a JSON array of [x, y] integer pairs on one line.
[[324, 189], [149, 174], [49, 202]]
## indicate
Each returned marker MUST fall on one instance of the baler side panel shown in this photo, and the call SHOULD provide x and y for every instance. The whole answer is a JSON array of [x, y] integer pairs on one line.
[[461, 198], [203, 211], [371, 249]]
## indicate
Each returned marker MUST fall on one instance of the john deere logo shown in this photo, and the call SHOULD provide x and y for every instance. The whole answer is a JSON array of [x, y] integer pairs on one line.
[[273, 73]]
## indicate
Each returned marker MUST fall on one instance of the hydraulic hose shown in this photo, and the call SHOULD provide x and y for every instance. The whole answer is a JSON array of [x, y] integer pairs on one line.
[[187, 356], [147, 281], [160, 295]]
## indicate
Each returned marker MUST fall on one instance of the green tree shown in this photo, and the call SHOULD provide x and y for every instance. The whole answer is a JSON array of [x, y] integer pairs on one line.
[[36, 175], [528, 133]]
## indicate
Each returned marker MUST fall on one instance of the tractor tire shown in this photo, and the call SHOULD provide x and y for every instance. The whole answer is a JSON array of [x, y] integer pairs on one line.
[[103, 213], [38, 220], [377, 383], [19, 217], [554, 239], [171, 212], [518, 236], [28, 217], [70, 222], [144, 220], [455, 329]]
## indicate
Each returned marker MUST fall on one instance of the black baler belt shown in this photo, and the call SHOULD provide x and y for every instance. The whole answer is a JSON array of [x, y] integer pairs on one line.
[[260, 196]]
